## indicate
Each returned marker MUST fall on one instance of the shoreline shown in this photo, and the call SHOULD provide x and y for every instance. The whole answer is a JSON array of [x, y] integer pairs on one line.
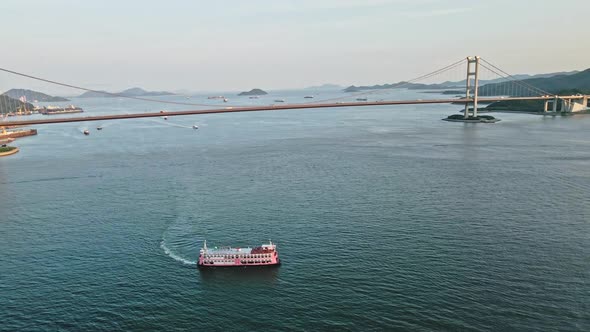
[[8, 153]]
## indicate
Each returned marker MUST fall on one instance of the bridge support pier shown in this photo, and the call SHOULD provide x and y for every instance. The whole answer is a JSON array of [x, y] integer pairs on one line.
[[565, 105], [574, 104], [555, 105], [546, 106], [468, 94]]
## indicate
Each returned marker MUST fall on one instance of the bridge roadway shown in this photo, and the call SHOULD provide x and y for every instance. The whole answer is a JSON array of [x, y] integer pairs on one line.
[[267, 108]]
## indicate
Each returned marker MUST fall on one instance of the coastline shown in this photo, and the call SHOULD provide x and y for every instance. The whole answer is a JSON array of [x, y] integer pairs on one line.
[[8, 153]]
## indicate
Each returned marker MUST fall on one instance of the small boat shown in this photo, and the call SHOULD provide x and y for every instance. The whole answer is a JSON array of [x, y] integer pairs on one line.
[[195, 127], [225, 100], [165, 118], [215, 97], [308, 97], [86, 132], [253, 97], [361, 99], [279, 100], [98, 128]]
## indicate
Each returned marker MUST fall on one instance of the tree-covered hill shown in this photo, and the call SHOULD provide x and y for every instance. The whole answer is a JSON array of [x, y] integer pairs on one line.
[[33, 95], [12, 105], [579, 81]]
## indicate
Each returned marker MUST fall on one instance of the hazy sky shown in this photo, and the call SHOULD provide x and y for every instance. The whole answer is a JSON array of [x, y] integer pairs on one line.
[[272, 44]]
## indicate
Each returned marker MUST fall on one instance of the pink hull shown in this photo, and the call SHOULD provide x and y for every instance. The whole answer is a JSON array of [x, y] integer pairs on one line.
[[238, 264]]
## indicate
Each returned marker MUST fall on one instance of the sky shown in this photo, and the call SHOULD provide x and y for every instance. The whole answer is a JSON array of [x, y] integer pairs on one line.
[[231, 45]]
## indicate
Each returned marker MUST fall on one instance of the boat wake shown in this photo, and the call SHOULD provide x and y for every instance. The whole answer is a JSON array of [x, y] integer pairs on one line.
[[182, 239], [175, 256], [170, 123]]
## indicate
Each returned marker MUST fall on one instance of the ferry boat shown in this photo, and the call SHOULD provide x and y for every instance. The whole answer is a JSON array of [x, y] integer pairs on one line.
[[264, 255]]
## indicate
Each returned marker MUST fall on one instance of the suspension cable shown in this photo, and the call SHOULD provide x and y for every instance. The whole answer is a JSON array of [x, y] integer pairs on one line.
[[396, 85], [514, 78], [517, 82]]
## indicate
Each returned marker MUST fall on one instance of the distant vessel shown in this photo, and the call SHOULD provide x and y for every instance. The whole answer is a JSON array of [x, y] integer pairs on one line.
[[86, 132], [225, 100], [8, 134], [265, 255], [165, 118], [52, 110], [253, 97], [308, 97], [195, 127], [361, 99], [279, 100], [99, 128], [215, 97]]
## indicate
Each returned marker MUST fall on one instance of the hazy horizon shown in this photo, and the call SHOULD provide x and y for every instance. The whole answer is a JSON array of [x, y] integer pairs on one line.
[[200, 46]]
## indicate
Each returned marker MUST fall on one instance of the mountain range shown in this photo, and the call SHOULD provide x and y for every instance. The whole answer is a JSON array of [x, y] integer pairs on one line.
[[578, 82], [449, 84], [132, 92]]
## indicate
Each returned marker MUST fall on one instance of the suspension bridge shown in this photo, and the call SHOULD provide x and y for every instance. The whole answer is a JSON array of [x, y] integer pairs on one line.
[[497, 85]]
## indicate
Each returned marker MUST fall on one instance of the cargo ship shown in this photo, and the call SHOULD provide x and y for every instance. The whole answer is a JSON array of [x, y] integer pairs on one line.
[[6, 134], [264, 255], [51, 110]]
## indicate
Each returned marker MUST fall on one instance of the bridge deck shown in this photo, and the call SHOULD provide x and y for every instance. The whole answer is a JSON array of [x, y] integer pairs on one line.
[[269, 108]]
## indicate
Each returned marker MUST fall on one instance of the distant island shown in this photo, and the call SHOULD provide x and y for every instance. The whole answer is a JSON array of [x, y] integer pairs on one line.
[[253, 92], [132, 92], [31, 95]]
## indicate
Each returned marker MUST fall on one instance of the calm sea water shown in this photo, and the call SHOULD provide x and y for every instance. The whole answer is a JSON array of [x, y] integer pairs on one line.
[[386, 218]]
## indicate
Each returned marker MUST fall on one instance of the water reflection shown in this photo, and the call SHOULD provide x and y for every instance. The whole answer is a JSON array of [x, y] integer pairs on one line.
[[239, 275]]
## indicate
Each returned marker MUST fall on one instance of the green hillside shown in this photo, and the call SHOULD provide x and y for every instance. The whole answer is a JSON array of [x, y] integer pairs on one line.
[[10, 105], [553, 85], [33, 95]]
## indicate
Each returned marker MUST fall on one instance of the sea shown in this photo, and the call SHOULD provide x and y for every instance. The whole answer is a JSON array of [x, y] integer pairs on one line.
[[386, 219]]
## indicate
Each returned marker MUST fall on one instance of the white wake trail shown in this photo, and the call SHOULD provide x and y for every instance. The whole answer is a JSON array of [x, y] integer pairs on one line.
[[174, 256]]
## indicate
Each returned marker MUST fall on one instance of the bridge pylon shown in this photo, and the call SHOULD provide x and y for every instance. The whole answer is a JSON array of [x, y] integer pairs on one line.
[[472, 72]]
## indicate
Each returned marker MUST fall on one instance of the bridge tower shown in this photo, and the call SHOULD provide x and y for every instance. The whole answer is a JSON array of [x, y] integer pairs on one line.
[[472, 72]]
